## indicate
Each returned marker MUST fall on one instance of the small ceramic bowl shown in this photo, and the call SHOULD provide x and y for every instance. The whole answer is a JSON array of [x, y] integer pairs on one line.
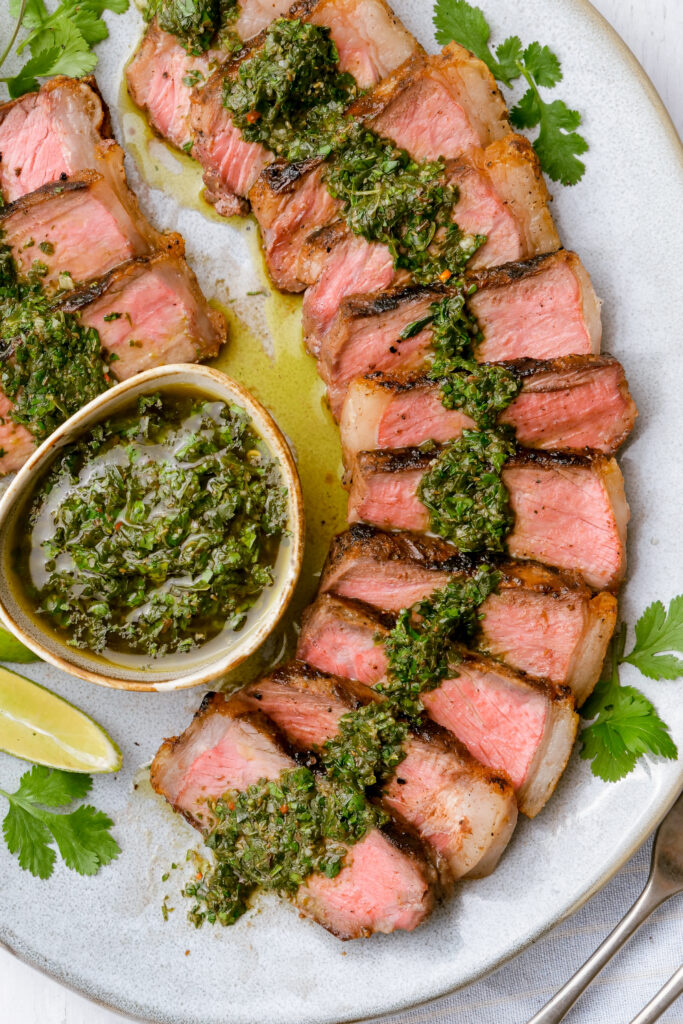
[[216, 657]]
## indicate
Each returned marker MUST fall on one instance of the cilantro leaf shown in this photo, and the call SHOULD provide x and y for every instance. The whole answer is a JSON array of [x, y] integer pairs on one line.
[[82, 836], [53, 788], [658, 633], [508, 54], [29, 839], [35, 12], [543, 65], [60, 42], [558, 145], [624, 723], [527, 113], [83, 839], [624, 729]]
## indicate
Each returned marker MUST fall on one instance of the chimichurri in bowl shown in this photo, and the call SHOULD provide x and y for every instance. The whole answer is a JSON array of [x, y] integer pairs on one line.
[[154, 540]]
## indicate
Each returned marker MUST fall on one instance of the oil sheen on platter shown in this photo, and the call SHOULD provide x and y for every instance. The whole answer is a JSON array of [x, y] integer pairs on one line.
[[265, 353]]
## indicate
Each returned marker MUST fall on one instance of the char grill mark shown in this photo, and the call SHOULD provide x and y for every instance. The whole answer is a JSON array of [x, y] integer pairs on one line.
[[570, 510], [573, 403], [500, 195], [510, 722], [464, 813], [385, 883], [543, 308], [539, 621]]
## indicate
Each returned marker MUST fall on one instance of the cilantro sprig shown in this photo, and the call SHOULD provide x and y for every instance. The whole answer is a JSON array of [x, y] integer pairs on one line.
[[60, 42], [623, 723], [557, 144], [31, 826]]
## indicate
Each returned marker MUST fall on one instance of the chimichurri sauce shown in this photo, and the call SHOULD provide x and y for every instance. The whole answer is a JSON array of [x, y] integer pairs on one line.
[[157, 531]]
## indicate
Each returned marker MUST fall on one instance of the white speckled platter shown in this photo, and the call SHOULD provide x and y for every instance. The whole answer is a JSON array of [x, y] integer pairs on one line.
[[105, 936]]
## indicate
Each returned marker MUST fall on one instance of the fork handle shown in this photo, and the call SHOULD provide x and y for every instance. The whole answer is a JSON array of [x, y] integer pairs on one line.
[[648, 901], [667, 995]]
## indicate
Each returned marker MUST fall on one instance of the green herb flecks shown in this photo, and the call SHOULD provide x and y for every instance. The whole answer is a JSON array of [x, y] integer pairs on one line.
[[467, 500], [50, 363], [389, 197], [481, 390], [290, 96], [194, 23], [274, 835], [558, 144], [162, 528], [31, 826]]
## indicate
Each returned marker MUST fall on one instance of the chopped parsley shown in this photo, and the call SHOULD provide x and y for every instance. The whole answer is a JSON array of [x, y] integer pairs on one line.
[[467, 500], [157, 530]]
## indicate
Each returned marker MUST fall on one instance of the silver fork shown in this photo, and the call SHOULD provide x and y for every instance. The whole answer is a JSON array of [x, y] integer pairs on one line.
[[666, 880]]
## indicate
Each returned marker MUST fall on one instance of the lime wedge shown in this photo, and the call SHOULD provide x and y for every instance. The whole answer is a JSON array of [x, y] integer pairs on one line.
[[37, 725]]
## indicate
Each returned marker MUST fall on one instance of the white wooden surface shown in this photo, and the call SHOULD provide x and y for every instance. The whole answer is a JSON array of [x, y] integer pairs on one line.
[[653, 29]]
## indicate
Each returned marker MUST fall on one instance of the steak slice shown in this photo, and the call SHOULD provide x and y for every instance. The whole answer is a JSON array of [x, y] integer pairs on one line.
[[50, 134], [434, 106], [542, 308], [380, 888], [86, 225], [464, 813], [538, 621], [570, 511], [508, 721], [17, 443], [573, 403], [159, 80], [149, 312], [501, 195], [370, 41]]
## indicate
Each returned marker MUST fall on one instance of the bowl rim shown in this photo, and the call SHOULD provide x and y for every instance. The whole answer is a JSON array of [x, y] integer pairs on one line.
[[204, 378]]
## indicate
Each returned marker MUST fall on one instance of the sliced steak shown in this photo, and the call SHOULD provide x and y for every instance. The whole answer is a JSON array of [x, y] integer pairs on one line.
[[50, 134], [149, 312], [538, 621], [570, 511], [86, 225], [572, 403], [508, 721], [16, 442], [229, 746], [501, 195], [433, 106], [543, 308], [161, 79], [369, 39], [464, 813]]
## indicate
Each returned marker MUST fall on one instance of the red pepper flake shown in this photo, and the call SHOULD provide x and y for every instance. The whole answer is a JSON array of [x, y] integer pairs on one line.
[[444, 275], [283, 808], [253, 116], [117, 526], [198, 876]]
